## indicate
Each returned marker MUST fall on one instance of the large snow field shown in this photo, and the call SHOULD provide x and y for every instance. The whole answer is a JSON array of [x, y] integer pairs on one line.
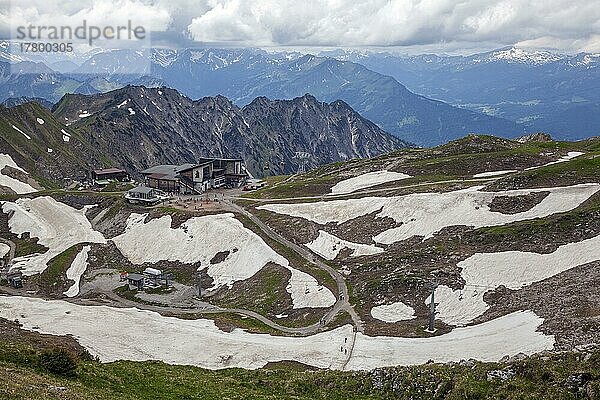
[[200, 238], [394, 312], [512, 269], [4, 249], [508, 335], [329, 246], [77, 268], [133, 334], [16, 185], [366, 180], [424, 214], [57, 225]]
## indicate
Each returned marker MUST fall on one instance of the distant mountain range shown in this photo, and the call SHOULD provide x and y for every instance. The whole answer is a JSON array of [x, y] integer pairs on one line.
[[506, 92], [540, 90], [136, 127], [242, 75]]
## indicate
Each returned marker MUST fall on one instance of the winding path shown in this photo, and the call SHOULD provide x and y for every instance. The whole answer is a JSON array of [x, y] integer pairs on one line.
[[342, 303], [328, 196]]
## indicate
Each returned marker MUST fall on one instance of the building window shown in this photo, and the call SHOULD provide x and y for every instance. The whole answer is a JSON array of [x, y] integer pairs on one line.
[[197, 174]]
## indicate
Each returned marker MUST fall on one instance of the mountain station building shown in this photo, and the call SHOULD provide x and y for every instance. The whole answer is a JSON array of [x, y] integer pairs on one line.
[[206, 174]]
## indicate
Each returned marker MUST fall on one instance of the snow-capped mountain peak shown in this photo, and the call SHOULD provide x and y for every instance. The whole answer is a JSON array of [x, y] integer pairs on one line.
[[164, 57], [518, 55]]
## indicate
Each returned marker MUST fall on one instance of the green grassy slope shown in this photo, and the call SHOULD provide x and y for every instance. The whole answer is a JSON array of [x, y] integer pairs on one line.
[[554, 377], [457, 160], [71, 159]]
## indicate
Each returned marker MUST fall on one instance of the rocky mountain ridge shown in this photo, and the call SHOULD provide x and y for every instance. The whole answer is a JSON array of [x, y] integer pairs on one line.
[[136, 127]]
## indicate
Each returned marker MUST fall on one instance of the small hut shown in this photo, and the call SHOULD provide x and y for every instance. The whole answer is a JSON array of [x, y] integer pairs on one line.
[[15, 279], [135, 281]]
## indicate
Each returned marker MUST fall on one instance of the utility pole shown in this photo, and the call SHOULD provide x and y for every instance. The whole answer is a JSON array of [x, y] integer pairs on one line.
[[431, 327], [199, 283]]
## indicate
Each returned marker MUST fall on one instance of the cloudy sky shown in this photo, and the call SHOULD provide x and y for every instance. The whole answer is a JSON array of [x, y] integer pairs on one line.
[[428, 25]]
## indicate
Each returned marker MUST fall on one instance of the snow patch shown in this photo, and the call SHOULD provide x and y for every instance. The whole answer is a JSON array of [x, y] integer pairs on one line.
[[123, 103], [156, 105], [512, 269], [84, 114], [131, 112], [66, 136], [77, 268], [494, 173], [366, 180], [57, 225], [40, 121], [508, 335], [4, 249], [329, 246], [21, 132], [200, 238], [568, 157], [394, 312], [16, 185], [458, 307]]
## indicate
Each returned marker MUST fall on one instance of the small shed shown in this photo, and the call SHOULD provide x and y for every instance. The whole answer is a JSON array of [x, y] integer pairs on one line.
[[153, 276], [135, 281], [15, 279]]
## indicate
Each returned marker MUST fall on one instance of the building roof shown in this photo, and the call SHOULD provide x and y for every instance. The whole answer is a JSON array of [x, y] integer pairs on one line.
[[135, 277], [166, 171], [228, 159], [141, 189], [201, 162], [152, 271], [161, 169], [108, 171], [170, 171]]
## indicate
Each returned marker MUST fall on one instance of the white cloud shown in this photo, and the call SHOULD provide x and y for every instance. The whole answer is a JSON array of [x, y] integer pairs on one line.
[[590, 44], [397, 22], [571, 25]]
